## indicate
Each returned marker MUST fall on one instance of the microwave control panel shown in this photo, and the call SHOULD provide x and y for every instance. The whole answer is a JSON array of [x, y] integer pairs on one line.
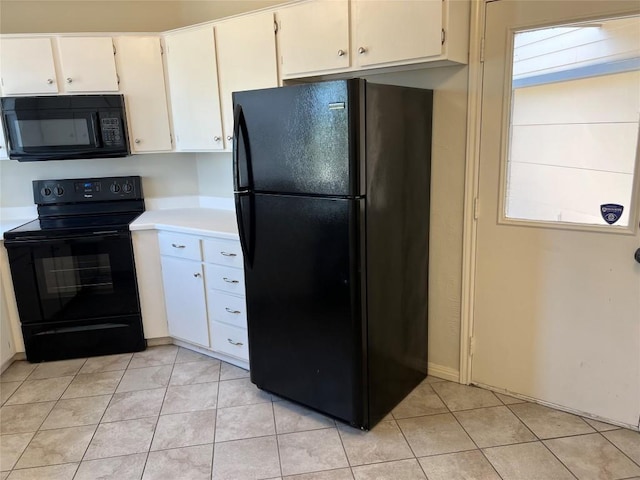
[[111, 128]]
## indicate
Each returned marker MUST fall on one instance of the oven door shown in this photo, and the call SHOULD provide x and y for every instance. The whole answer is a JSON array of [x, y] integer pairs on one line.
[[74, 278]]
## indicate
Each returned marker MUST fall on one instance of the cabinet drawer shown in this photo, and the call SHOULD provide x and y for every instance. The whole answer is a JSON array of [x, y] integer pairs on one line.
[[222, 252], [177, 245], [227, 308], [229, 340], [226, 279]]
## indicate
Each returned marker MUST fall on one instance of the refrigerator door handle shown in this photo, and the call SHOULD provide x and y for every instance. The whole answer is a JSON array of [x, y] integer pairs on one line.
[[241, 165], [246, 237]]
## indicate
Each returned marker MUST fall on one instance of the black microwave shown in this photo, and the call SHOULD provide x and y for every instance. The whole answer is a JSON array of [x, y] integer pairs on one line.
[[65, 127]]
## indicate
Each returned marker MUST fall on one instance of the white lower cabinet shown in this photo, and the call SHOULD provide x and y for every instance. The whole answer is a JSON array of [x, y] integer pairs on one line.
[[204, 293]]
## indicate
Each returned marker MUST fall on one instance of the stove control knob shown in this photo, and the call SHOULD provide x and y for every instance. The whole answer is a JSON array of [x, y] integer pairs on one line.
[[45, 191], [127, 188], [59, 191], [115, 188]]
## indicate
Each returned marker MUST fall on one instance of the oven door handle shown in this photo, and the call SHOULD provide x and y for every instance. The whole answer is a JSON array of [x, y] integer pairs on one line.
[[84, 237]]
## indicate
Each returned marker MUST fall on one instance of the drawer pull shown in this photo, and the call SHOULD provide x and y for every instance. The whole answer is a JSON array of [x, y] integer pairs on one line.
[[235, 312], [227, 254], [238, 344], [228, 280], [197, 275], [177, 246]]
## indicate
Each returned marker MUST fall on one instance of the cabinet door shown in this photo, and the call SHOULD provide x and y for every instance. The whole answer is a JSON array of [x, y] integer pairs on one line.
[[314, 37], [185, 300], [193, 83], [87, 64], [245, 44], [139, 61], [392, 31], [27, 66]]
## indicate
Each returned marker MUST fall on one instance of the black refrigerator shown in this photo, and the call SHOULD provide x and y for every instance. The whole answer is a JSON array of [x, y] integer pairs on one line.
[[331, 185]]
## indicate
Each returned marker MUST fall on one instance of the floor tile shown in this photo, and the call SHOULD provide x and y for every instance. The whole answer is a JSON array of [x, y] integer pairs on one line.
[[23, 418], [203, 371], [7, 389], [527, 461], [494, 426], [233, 393], [154, 356], [55, 472], [338, 474], [402, 470], [121, 438], [471, 465], [192, 463], [184, 430], [75, 412], [107, 363], [435, 434], [593, 457], [53, 447], [600, 426], [4, 475], [132, 405], [313, 451], [433, 379], [249, 459], [188, 356], [546, 422], [463, 397], [189, 398], [627, 441], [235, 423], [18, 371], [93, 384], [231, 372], [421, 401], [61, 368], [508, 400], [129, 467], [383, 443], [144, 378], [39, 390], [11, 447], [291, 417]]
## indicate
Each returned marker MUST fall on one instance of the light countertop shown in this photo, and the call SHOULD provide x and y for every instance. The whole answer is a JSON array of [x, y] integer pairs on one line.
[[199, 221]]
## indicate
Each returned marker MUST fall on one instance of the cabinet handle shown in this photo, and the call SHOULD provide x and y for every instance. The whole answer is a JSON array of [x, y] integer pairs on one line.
[[341, 53], [137, 140], [235, 312], [229, 280], [197, 275], [227, 254], [239, 344], [229, 137], [362, 50], [177, 246], [49, 81], [69, 80], [216, 138]]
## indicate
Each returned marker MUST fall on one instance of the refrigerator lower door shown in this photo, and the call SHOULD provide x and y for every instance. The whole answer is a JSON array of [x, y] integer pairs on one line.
[[306, 335]]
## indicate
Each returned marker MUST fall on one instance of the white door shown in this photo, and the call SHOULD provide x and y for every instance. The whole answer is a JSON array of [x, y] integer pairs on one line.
[[557, 288], [27, 66], [87, 64]]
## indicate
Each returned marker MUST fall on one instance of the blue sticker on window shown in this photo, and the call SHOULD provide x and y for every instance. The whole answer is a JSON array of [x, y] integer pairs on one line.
[[611, 212]]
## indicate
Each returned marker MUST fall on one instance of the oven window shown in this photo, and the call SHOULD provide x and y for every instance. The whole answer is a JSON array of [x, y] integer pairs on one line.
[[67, 277], [51, 132]]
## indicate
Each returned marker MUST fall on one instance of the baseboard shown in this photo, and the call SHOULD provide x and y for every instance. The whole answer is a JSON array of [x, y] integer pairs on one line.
[[154, 342], [7, 363], [443, 372], [220, 356]]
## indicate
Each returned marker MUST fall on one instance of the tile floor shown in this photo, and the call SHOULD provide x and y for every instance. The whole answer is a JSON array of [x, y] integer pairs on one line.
[[169, 413]]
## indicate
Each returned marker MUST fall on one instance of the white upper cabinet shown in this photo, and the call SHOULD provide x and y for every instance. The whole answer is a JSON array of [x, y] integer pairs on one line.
[[389, 31], [246, 48], [27, 66], [314, 37], [87, 64], [139, 62], [193, 84]]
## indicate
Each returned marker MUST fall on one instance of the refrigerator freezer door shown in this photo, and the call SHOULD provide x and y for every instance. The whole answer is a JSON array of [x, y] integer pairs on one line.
[[306, 337], [300, 139]]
